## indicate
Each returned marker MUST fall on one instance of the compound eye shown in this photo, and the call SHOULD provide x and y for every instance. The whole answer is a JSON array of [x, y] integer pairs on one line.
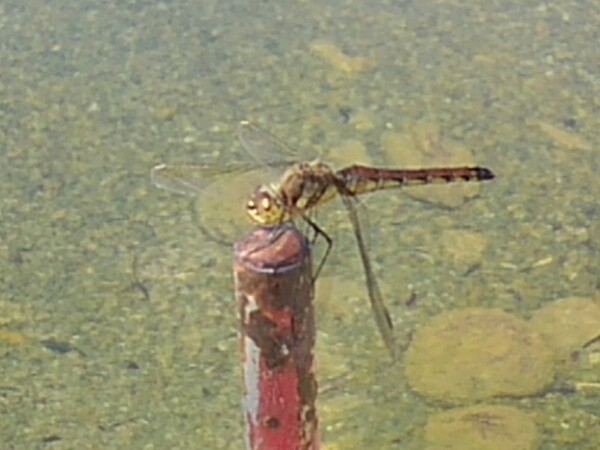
[[265, 203], [264, 207]]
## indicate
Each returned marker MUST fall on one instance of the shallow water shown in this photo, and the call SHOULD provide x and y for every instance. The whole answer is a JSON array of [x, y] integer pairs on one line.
[[118, 327]]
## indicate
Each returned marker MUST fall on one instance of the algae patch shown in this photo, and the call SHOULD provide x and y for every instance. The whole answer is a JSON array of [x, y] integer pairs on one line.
[[475, 354]]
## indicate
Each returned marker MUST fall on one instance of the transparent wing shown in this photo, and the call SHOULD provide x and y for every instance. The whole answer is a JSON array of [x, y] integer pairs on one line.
[[221, 195], [222, 192], [190, 179], [380, 312], [267, 149]]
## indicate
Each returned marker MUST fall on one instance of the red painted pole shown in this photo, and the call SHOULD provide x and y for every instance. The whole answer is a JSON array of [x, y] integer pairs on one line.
[[274, 290]]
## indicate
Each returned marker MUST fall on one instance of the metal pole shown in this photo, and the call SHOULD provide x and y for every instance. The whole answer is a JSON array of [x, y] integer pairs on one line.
[[274, 291]]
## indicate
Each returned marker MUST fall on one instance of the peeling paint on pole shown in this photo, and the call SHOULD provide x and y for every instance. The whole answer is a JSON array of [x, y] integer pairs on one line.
[[274, 291]]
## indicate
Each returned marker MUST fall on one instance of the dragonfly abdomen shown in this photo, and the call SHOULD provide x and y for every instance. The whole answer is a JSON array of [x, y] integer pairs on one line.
[[363, 179]]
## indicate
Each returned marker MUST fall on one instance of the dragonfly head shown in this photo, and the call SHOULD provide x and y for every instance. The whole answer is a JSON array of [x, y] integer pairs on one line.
[[265, 206]]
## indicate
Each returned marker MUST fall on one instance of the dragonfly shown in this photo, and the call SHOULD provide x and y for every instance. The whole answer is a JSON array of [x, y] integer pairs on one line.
[[304, 186]]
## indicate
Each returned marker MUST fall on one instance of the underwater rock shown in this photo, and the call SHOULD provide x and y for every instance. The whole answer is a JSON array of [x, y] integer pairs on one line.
[[474, 354], [482, 427], [567, 324]]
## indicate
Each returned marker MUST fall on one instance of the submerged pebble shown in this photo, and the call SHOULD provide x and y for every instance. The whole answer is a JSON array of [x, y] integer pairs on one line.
[[481, 427], [475, 354], [568, 324]]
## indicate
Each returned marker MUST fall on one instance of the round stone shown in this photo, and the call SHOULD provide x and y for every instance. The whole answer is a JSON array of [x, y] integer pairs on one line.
[[568, 324], [481, 427], [474, 354]]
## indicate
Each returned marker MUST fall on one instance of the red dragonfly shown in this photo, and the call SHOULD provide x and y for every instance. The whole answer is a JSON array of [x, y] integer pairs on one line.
[[306, 185]]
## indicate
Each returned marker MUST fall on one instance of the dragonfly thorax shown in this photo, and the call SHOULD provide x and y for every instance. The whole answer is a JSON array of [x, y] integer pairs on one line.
[[265, 206]]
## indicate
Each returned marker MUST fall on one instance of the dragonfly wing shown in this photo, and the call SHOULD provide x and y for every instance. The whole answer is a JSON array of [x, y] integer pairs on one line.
[[380, 312], [220, 209], [189, 179], [221, 195], [267, 149]]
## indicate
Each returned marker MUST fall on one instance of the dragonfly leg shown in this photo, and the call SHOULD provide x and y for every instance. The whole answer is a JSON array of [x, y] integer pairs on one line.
[[319, 232]]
